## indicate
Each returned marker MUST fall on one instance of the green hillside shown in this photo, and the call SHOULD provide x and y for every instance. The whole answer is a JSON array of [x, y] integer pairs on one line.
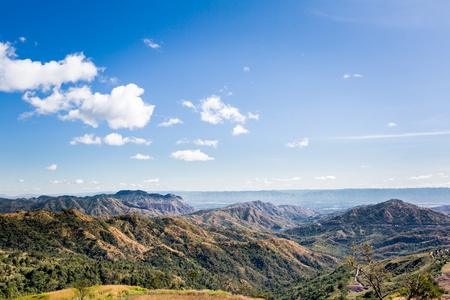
[[175, 252]]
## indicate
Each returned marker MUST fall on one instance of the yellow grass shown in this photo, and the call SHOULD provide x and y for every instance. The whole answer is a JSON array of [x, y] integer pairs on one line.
[[446, 268], [63, 294], [134, 293]]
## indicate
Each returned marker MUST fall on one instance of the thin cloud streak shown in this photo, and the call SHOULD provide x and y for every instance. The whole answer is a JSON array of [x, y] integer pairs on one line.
[[386, 136]]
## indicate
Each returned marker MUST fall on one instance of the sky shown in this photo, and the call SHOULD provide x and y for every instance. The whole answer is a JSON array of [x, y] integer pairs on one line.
[[223, 95]]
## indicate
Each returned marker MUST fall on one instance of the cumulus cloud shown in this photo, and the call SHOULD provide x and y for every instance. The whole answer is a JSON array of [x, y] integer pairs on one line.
[[330, 177], [22, 39], [301, 144], [21, 75], [141, 157], [123, 108], [191, 155], [151, 44], [156, 180], [391, 124], [171, 122], [79, 181], [214, 111], [52, 167], [246, 69], [87, 139], [115, 139], [239, 129], [421, 177]]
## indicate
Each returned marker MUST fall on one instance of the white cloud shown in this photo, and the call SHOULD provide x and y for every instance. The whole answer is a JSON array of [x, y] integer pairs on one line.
[[246, 69], [182, 141], [442, 175], [58, 181], [156, 180], [171, 122], [214, 111], [52, 167], [115, 139], [230, 94], [21, 75], [191, 155], [112, 139], [151, 44], [141, 157], [347, 76], [330, 177], [87, 139], [123, 108], [22, 39], [21, 180], [253, 116], [421, 177], [239, 129], [79, 181], [384, 136], [287, 179], [188, 104], [391, 124], [211, 143], [301, 144]]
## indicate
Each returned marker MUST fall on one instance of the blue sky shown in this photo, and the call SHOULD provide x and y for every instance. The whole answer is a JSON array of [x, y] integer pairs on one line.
[[223, 95]]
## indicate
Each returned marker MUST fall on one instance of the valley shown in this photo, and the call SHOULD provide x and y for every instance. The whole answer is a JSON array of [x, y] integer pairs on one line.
[[159, 241]]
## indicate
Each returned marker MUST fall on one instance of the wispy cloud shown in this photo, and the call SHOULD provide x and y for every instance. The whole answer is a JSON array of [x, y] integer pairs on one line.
[[421, 177], [392, 124], [151, 44], [87, 139], [171, 122], [191, 155], [156, 180], [287, 179], [52, 167], [295, 144], [141, 157], [22, 39], [329, 177], [347, 76], [188, 104], [246, 69], [386, 136]]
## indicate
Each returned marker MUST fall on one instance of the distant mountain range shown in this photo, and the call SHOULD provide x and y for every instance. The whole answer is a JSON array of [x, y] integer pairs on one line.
[[320, 199], [123, 202]]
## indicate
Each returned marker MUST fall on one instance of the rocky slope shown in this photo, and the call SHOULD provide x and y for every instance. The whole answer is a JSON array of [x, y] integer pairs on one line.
[[255, 215]]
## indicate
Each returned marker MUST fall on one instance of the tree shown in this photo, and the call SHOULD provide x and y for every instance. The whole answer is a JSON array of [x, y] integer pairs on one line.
[[371, 271], [421, 286]]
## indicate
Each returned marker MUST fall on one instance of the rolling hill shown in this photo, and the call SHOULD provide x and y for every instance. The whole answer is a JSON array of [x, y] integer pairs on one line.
[[392, 227], [169, 245]]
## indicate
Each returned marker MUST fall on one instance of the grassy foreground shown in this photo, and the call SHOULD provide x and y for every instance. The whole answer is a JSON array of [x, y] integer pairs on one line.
[[134, 293]]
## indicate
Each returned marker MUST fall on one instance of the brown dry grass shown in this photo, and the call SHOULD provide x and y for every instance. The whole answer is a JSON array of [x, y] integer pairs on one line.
[[188, 295]]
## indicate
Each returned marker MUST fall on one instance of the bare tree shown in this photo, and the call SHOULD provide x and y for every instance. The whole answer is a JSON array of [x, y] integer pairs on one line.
[[371, 271]]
